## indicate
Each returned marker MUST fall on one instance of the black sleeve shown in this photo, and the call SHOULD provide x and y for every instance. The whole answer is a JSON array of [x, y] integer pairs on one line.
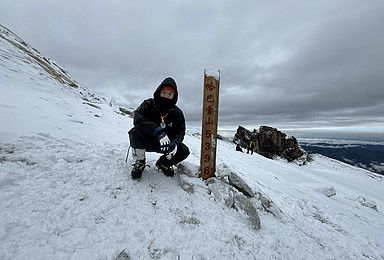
[[180, 127], [144, 118]]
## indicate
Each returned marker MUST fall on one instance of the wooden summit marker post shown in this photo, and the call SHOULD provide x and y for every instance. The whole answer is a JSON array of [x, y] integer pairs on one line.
[[209, 124]]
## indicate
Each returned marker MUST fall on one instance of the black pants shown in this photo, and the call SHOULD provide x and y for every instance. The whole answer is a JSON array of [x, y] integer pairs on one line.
[[150, 143]]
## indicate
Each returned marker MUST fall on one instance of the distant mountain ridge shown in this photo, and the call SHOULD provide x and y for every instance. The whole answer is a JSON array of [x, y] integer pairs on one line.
[[29, 80], [28, 54], [363, 155]]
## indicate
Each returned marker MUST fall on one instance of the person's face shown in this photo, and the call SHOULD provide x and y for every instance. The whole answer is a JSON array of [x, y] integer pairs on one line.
[[166, 94]]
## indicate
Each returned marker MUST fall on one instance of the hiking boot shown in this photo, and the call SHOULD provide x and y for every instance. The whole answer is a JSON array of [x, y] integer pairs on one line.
[[138, 168], [167, 170]]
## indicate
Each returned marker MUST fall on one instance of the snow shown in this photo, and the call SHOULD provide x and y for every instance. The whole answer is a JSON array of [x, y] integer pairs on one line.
[[66, 193], [212, 73]]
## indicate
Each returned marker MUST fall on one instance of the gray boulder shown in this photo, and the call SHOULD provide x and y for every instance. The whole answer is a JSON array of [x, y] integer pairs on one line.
[[222, 192], [236, 181], [242, 203], [230, 197], [268, 205]]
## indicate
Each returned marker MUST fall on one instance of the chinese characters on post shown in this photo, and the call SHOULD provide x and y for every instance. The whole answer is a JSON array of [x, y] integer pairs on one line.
[[209, 123]]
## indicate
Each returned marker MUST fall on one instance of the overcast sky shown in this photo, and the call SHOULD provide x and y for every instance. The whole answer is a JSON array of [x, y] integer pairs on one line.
[[287, 64]]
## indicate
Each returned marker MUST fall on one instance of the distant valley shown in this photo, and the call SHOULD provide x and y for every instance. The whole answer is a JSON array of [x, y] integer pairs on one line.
[[366, 155]]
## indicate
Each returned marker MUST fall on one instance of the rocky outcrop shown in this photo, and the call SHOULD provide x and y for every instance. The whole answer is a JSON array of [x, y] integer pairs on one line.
[[229, 189], [234, 194], [230, 197], [46, 67], [125, 111], [270, 142]]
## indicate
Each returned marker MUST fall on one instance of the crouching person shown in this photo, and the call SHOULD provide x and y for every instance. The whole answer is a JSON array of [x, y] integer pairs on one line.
[[159, 126]]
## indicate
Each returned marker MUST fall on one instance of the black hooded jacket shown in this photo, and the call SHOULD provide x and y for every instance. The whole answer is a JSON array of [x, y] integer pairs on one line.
[[147, 116]]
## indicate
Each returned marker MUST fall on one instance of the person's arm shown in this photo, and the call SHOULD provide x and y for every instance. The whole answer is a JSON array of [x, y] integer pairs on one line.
[[143, 118]]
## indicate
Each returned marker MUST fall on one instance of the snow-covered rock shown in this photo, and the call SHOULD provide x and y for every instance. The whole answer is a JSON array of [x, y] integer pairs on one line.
[[367, 202], [236, 181], [327, 190]]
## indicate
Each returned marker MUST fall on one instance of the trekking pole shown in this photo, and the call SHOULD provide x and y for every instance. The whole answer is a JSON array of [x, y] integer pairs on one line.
[[126, 158]]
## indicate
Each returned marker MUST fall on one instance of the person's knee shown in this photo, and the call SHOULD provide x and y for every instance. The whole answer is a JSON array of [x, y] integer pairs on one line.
[[132, 137], [137, 138], [185, 151], [132, 133]]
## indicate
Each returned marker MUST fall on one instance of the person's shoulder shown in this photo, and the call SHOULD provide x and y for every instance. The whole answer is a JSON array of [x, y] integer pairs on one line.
[[149, 101], [179, 113], [178, 110]]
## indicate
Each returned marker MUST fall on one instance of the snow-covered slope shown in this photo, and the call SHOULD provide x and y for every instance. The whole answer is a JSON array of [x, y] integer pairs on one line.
[[38, 96], [65, 190]]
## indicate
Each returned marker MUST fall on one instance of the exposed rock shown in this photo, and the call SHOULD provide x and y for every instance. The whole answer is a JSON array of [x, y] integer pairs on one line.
[[189, 169], [229, 189], [92, 105], [268, 205], [73, 85], [367, 202], [222, 192], [243, 203], [123, 255], [220, 137], [243, 136], [270, 142], [230, 197], [125, 111], [47, 67], [240, 184], [192, 184], [259, 199], [112, 102]]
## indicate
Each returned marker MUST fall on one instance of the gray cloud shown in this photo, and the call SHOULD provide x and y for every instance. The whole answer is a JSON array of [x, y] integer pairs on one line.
[[289, 64]]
